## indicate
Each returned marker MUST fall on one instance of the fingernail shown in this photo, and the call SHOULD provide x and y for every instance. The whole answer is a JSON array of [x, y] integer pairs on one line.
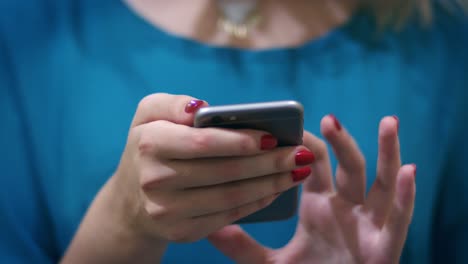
[[300, 173], [193, 105], [268, 142], [398, 122], [415, 169], [304, 157], [335, 121]]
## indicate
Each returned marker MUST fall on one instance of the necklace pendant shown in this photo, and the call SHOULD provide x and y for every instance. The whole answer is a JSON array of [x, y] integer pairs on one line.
[[241, 30], [238, 17]]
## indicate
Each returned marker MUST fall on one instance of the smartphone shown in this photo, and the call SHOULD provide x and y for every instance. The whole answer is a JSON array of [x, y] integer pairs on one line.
[[283, 119]]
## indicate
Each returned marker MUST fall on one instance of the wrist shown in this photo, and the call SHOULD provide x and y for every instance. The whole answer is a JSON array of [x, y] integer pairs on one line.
[[109, 233]]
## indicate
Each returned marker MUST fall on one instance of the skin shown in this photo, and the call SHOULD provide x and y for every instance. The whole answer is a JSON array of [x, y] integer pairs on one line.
[[168, 188], [284, 23]]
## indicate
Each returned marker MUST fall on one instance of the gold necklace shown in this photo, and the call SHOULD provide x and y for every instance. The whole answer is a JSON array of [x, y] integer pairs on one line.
[[238, 18]]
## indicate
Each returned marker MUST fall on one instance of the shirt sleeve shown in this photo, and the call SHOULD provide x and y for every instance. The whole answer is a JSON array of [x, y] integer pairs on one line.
[[25, 229]]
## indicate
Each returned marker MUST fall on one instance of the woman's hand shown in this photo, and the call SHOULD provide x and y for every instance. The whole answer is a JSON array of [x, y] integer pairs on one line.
[[179, 183], [339, 224], [191, 181]]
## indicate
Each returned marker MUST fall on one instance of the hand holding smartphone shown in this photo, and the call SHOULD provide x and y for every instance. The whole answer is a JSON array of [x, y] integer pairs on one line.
[[283, 119]]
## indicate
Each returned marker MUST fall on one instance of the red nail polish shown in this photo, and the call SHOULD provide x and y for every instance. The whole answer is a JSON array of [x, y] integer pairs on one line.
[[300, 173], [335, 121], [268, 142], [192, 106], [415, 169], [398, 122], [304, 157]]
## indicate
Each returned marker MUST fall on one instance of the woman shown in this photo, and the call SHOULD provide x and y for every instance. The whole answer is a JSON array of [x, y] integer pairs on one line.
[[72, 73]]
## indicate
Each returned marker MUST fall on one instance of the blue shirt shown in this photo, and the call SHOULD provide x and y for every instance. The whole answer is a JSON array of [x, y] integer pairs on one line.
[[72, 73]]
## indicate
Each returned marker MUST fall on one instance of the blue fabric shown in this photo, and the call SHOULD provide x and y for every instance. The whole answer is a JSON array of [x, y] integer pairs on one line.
[[72, 73]]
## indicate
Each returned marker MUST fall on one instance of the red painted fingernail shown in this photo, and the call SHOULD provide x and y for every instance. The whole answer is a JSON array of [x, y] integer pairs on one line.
[[415, 169], [193, 105], [268, 142], [304, 157], [398, 122], [300, 173], [335, 121]]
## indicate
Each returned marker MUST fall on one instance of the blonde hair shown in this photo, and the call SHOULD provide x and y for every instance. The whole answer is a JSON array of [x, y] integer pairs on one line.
[[397, 12]]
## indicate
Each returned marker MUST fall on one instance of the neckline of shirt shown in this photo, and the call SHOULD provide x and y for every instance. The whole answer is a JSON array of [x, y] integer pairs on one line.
[[120, 20]]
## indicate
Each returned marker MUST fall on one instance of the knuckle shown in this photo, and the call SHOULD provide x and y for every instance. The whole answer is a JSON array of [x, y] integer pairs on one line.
[[200, 142], [235, 214], [146, 142], [156, 212], [277, 184], [233, 196], [149, 143], [144, 146], [246, 145], [181, 171], [382, 186], [150, 179], [280, 163], [231, 170]]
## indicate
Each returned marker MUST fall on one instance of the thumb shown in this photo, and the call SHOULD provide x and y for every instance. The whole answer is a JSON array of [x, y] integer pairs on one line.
[[235, 243], [177, 109]]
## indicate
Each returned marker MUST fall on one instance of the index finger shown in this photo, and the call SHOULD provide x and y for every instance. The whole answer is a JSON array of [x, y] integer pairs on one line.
[[351, 172], [177, 109], [167, 140]]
